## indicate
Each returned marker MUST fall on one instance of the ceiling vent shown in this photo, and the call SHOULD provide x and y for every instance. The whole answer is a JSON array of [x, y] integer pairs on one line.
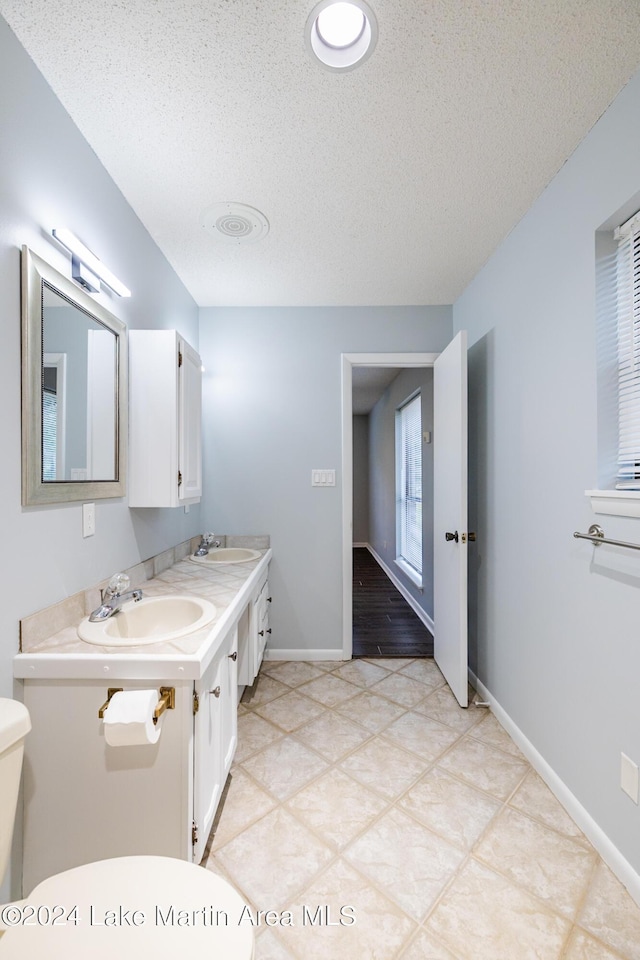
[[234, 222]]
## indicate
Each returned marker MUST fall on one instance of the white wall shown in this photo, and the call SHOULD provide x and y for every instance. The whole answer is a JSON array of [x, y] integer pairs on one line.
[[555, 626], [272, 400], [50, 177], [382, 479]]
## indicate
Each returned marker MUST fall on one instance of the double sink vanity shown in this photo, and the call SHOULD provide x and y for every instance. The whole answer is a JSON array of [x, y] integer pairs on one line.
[[197, 636]]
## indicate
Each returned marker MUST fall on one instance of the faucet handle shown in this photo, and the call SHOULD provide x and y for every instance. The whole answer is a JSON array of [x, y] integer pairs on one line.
[[118, 584]]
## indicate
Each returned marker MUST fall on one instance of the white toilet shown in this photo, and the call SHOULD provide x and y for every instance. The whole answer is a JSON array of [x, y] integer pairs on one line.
[[125, 907]]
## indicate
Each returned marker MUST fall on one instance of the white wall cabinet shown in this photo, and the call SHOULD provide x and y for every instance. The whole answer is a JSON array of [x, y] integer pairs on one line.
[[253, 633], [165, 420]]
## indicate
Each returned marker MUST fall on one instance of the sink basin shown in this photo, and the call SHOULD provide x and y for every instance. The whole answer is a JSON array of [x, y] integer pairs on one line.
[[228, 555], [150, 620]]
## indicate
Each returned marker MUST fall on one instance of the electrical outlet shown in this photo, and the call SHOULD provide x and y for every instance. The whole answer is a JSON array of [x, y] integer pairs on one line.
[[88, 519], [629, 777]]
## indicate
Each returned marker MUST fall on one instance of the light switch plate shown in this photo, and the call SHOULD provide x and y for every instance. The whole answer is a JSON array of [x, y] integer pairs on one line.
[[321, 477], [88, 519]]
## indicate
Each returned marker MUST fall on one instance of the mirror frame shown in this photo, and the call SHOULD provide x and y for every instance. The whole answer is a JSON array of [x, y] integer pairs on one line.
[[35, 272]]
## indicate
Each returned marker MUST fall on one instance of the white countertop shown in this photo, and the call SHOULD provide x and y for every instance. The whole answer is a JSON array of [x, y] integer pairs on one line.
[[228, 586]]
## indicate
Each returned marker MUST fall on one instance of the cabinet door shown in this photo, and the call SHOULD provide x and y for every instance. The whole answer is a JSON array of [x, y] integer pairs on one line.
[[207, 760], [189, 423], [229, 705]]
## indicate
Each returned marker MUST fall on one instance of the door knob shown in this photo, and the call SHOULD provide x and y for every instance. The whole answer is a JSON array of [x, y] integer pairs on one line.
[[451, 536]]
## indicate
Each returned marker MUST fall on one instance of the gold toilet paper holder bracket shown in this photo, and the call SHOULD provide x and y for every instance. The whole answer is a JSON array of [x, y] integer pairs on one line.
[[167, 701]]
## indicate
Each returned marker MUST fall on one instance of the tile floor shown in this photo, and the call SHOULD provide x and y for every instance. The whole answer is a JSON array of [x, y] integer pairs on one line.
[[363, 785]]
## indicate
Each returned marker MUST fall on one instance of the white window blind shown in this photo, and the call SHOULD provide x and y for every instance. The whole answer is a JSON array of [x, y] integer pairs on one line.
[[628, 332], [410, 483], [49, 430]]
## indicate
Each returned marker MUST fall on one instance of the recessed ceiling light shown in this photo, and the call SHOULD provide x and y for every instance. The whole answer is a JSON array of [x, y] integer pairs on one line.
[[234, 222], [342, 35]]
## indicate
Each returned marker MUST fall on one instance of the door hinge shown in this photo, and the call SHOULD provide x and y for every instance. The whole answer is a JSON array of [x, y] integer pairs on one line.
[[179, 358], [196, 703], [194, 833], [179, 478]]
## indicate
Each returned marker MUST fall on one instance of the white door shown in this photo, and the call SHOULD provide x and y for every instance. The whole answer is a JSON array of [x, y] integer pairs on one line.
[[450, 515]]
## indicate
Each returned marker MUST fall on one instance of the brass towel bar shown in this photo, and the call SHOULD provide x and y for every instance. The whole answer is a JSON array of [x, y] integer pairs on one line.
[[167, 701], [596, 536]]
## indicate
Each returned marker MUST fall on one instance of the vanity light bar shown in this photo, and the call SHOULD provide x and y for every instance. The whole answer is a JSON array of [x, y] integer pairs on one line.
[[78, 249]]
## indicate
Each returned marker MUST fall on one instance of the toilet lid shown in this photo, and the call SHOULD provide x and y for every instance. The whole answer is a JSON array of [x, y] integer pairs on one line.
[[129, 907]]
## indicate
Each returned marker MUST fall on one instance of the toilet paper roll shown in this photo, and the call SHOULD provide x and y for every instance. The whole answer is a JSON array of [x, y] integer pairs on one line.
[[128, 720]]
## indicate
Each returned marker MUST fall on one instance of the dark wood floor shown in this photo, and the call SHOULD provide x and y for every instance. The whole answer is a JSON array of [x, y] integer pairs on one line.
[[384, 625]]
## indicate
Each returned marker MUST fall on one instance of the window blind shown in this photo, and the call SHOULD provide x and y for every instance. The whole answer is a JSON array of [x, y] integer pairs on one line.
[[628, 335], [410, 476], [49, 431]]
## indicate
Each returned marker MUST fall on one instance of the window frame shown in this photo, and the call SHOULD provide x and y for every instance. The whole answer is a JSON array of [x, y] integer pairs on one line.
[[408, 502]]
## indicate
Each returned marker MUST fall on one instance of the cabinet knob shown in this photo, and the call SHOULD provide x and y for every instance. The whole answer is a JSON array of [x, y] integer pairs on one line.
[[261, 633], [269, 630], [216, 691], [269, 599], [234, 655]]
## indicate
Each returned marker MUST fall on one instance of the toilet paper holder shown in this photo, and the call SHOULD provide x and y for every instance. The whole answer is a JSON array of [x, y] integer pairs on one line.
[[166, 701]]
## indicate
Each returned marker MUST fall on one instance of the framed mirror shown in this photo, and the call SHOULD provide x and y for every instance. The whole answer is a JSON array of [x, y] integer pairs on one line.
[[74, 391]]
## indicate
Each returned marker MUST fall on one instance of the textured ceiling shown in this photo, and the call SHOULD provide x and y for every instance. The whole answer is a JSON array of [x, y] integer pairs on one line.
[[368, 385], [390, 184]]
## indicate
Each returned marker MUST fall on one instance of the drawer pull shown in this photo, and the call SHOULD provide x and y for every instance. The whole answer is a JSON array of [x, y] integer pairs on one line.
[[216, 691], [234, 655]]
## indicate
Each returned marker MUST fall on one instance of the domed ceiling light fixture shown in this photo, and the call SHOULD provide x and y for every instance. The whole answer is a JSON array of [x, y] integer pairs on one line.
[[341, 35]]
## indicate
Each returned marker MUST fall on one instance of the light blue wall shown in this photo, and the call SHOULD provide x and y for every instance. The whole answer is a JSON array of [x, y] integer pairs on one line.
[[555, 627], [50, 177], [382, 479], [272, 412]]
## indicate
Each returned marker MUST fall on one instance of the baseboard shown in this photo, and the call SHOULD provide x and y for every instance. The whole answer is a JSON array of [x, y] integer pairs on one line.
[[400, 587], [607, 850], [361, 545], [285, 654]]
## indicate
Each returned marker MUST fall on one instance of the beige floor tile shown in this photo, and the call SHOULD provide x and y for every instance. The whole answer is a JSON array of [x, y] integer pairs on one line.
[[268, 947], [284, 767], [584, 947], [327, 665], [407, 861], [554, 868], [273, 860], [380, 927], [535, 798], [383, 767], [611, 915], [390, 663], [424, 736], [483, 916], [332, 735], [426, 671], [264, 689], [291, 672], [442, 705], [244, 802], [484, 767], [329, 690], [452, 809], [336, 807], [360, 672], [424, 947], [373, 712], [403, 690], [254, 734], [490, 731], [290, 711]]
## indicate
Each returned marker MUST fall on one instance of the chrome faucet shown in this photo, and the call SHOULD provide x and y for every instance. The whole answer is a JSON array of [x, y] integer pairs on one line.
[[114, 595], [206, 542]]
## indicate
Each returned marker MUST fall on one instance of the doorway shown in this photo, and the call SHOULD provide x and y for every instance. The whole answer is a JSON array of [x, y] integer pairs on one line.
[[450, 502]]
